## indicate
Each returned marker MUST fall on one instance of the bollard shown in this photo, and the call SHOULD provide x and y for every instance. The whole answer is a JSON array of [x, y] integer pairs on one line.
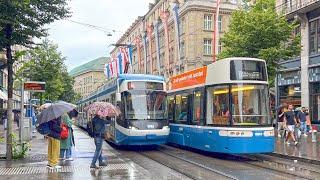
[[314, 136]]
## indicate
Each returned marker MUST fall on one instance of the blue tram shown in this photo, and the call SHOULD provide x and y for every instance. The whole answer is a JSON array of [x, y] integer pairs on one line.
[[222, 107], [142, 101]]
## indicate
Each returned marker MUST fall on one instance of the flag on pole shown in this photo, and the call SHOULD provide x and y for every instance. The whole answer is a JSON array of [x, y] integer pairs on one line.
[[120, 65]]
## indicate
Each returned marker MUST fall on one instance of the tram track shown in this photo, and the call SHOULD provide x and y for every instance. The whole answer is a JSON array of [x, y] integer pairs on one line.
[[189, 169], [278, 167]]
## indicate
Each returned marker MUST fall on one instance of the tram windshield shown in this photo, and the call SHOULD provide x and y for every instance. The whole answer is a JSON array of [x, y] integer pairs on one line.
[[248, 103], [145, 104]]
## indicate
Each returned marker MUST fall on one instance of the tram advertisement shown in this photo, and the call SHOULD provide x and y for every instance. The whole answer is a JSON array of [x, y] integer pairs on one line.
[[190, 78]]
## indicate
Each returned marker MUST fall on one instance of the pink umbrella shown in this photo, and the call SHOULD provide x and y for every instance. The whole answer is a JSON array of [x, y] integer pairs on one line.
[[102, 109]]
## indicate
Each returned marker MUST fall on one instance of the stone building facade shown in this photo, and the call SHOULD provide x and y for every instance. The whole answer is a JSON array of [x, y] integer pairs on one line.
[[298, 80], [89, 77], [175, 36]]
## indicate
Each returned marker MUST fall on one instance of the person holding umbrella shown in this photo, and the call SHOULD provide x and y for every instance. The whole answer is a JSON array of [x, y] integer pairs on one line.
[[102, 113], [49, 124]]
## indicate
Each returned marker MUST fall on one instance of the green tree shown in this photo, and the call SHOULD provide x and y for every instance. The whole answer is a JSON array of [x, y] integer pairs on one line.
[[259, 32], [47, 65], [20, 22]]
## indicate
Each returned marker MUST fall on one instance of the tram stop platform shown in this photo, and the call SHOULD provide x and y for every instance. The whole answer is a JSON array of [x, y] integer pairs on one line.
[[119, 165], [305, 150]]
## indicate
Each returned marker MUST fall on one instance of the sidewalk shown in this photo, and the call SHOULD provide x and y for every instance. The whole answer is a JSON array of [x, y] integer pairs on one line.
[[306, 150], [34, 166]]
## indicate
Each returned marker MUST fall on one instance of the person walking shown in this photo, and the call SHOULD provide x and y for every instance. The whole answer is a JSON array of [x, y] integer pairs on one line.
[[290, 121], [66, 144], [302, 117], [281, 123], [54, 143], [98, 125]]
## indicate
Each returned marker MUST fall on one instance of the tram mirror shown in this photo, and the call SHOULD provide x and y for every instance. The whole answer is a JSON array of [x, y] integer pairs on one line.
[[118, 97]]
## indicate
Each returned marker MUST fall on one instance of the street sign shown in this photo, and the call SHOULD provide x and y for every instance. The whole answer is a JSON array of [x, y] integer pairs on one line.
[[35, 86]]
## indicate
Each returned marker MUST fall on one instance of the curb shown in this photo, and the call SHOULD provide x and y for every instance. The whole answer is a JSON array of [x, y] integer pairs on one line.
[[306, 160]]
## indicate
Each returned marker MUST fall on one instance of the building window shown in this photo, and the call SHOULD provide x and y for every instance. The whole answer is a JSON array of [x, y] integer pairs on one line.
[[182, 26], [220, 23], [314, 39], [207, 22], [219, 47], [182, 49], [207, 47]]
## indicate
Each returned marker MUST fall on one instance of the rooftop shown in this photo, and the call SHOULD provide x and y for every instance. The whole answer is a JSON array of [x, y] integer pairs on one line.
[[94, 65]]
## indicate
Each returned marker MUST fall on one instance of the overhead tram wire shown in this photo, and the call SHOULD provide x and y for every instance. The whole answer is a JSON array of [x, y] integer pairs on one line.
[[99, 28]]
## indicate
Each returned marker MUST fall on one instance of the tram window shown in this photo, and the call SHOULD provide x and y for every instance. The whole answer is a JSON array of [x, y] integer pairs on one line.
[[170, 108], [197, 108], [250, 105], [218, 105], [181, 109]]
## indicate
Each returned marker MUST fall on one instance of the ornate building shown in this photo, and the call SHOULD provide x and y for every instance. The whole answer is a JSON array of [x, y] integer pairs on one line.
[[175, 36], [89, 76]]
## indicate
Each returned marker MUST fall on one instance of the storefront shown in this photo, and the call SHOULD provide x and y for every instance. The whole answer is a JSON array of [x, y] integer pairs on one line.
[[289, 88], [314, 77]]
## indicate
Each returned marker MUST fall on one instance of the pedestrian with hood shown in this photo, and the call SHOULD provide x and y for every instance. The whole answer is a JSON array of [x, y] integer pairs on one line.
[[67, 139], [99, 127]]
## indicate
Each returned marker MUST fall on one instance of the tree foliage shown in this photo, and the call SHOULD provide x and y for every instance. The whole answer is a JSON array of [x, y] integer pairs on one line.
[[20, 22], [259, 32], [47, 65]]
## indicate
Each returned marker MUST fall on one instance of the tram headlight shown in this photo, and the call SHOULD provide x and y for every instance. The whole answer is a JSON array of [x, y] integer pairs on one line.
[[133, 128], [165, 127], [268, 133]]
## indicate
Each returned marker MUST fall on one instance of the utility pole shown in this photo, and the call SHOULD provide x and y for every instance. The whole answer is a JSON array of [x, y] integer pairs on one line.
[[215, 38]]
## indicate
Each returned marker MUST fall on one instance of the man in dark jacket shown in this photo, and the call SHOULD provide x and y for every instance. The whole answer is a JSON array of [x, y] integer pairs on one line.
[[54, 143], [99, 127]]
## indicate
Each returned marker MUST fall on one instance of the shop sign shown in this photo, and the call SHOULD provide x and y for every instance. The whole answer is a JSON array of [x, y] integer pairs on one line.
[[190, 78], [35, 86]]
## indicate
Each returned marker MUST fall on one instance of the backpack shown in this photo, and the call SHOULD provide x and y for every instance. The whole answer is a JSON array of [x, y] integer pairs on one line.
[[64, 132], [90, 129], [44, 128]]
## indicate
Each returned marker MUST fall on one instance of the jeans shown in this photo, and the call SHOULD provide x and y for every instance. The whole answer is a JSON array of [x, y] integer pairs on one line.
[[98, 153], [66, 152], [303, 127]]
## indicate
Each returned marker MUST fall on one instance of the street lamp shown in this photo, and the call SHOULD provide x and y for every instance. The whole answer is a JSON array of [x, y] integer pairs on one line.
[[215, 38]]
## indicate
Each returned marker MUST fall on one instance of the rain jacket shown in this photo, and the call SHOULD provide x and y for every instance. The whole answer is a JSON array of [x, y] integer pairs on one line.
[[67, 143]]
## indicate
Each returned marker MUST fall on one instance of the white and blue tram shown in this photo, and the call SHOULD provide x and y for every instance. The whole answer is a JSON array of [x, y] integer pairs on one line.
[[142, 101], [222, 107]]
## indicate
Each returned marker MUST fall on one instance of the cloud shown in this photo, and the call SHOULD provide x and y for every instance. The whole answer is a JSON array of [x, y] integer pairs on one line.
[[81, 43]]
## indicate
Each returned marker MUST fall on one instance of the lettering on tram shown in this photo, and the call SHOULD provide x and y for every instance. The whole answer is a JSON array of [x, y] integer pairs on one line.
[[222, 113]]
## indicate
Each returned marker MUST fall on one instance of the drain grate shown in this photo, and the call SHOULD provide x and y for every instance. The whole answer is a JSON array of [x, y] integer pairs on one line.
[[64, 169]]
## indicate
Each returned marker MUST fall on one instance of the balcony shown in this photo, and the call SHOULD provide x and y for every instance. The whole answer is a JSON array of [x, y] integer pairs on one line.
[[290, 8]]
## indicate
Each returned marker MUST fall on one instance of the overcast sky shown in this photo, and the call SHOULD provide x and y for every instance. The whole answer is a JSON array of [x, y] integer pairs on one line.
[[80, 44]]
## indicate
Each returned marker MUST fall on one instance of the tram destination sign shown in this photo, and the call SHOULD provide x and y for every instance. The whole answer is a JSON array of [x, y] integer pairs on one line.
[[248, 70], [34, 86]]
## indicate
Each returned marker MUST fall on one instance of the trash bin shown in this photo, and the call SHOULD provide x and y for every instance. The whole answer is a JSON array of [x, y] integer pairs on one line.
[[26, 129], [314, 133]]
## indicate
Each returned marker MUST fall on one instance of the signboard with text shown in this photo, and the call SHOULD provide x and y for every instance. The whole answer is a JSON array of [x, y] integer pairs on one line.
[[190, 78], [35, 86]]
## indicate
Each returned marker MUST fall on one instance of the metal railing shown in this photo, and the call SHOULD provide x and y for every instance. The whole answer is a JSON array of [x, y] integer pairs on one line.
[[291, 6]]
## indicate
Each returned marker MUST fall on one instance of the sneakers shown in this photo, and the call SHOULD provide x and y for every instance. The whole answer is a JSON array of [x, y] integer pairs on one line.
[[57, 167], [288, 143], [69, 159], [103, 164], [279, 136], [54, 167], [296, 142], [93, 167], [305, 135]]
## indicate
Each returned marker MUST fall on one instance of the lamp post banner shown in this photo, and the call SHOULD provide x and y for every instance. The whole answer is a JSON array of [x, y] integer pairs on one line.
[[175, 9], [145, 52], [156, 27]]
